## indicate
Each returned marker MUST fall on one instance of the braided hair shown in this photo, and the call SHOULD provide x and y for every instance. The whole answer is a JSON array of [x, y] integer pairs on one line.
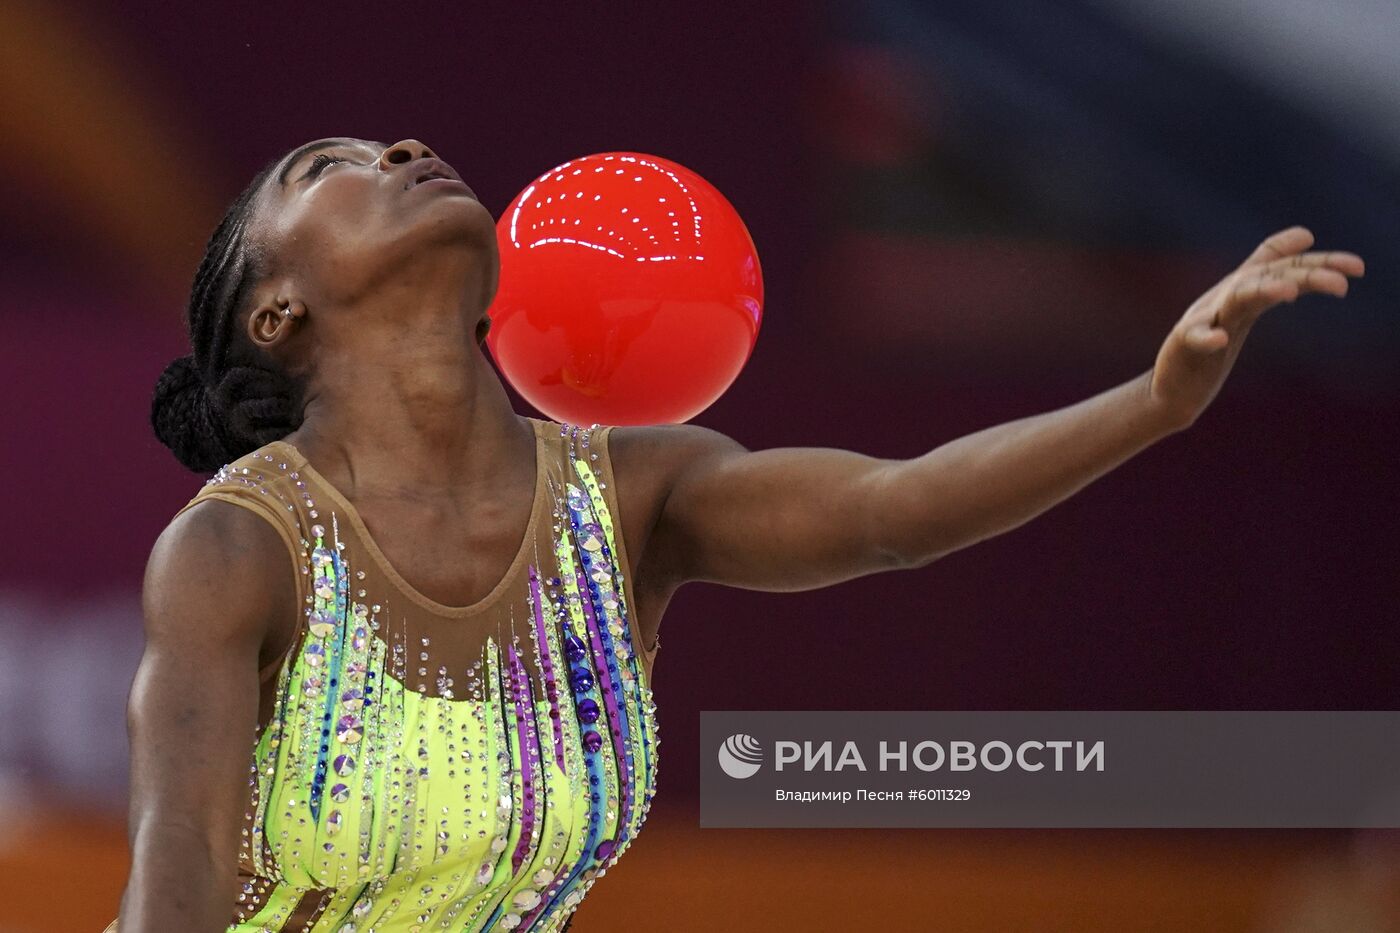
[[226, 398]]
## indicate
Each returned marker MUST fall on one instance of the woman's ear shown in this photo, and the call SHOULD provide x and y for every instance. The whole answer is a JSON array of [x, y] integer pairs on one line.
[[273, 323]]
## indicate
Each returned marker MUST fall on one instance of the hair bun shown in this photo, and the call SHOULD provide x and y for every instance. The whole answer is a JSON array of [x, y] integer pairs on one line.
[[185, 419], [259, 402], [179, 377]]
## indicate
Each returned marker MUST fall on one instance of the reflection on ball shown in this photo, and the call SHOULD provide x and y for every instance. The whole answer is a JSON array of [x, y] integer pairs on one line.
[[630, 292]]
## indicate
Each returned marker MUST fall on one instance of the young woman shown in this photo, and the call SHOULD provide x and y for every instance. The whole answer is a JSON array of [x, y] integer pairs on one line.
[[399, 647]]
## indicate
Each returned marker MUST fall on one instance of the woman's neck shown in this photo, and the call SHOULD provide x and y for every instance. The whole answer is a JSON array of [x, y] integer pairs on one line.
[[418, 411]]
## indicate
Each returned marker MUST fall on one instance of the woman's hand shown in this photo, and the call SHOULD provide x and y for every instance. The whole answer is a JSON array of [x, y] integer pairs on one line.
[[1201, 349]]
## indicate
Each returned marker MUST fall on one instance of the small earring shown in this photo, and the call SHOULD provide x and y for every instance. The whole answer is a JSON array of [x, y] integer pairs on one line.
[[287, 311]]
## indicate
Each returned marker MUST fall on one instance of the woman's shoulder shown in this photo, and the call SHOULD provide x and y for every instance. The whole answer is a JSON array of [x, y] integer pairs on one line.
[[247, 519], [649, 459], [265, 487], [270, 479], [276, 462], [218, 574]]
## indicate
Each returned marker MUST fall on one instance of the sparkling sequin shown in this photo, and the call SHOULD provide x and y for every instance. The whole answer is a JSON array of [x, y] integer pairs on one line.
[[349, 729]]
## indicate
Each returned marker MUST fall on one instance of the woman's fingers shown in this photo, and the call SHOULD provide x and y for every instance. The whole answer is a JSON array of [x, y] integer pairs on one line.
[[1281, 245], [1288, 247], [1204, 338], [1344, 262], [1272, 285], [1258, 291], [1280, 270]]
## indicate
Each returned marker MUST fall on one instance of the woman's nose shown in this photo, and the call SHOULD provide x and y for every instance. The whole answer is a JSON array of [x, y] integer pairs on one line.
[[405, 150]]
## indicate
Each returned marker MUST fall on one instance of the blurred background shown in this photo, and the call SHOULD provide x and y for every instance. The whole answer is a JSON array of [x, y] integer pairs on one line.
[[967, 213]]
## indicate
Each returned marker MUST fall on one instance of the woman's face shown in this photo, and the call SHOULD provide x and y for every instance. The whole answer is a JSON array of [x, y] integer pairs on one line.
[[340, 215]]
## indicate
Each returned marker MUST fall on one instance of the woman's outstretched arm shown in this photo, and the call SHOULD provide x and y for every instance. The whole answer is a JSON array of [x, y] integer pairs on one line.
[[216, 583], [801, 518]]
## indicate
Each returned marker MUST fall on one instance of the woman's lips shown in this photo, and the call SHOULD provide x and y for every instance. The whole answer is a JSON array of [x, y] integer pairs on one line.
[[431, 182]]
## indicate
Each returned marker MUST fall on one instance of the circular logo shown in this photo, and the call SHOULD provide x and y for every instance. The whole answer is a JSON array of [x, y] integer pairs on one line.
[[740, 755]]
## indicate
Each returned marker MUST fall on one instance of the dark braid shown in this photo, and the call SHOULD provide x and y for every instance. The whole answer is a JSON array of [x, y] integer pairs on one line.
[[226, 398]]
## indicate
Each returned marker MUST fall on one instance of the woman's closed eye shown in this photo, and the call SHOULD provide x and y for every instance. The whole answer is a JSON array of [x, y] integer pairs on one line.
[[318, 164]]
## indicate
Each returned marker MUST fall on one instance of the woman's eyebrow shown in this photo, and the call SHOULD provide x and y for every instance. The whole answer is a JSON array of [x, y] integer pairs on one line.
[[307, 150]]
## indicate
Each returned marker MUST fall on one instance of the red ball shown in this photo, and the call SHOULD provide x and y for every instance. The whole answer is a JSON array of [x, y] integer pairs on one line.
[[630, 292]]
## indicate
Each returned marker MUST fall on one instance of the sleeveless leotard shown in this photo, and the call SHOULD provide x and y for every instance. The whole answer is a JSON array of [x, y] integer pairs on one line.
[[428, 767]]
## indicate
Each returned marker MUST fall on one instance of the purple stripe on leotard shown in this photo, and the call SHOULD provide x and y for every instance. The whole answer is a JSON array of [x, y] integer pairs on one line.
[[551, 687], [529, 749]]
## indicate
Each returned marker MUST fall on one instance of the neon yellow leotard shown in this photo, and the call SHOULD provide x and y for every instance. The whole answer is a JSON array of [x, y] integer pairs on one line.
[[430, 767]]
